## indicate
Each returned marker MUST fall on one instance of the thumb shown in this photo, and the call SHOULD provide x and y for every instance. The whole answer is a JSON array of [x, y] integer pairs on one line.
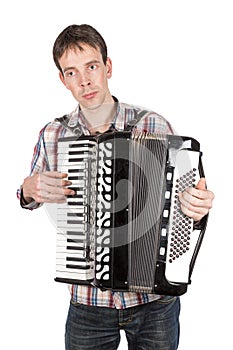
[[201, 185]]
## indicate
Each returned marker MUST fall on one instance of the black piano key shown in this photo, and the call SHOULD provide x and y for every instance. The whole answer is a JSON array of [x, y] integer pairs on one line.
[[73, 153], [75, 203], [75, 196], [69, 258], [75, 145], [74, 221], [76, 178], [75, 188], [76, 160], [75, 240], [74, 233], [75, 214], [68, 247], [81, 267]]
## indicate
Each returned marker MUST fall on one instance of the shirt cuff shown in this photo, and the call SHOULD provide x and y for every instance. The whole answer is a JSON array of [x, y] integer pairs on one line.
[[32, 205]]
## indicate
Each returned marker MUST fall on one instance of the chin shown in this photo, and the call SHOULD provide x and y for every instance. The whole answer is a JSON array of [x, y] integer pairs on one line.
[[92, 106]]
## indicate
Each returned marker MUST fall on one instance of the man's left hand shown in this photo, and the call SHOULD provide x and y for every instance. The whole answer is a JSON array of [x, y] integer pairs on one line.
[[196, 201]]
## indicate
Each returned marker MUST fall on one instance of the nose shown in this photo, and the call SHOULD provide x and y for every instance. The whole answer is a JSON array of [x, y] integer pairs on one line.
[[85, 81]]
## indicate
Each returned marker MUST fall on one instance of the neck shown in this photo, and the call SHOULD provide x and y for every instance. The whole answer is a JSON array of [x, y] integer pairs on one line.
[[100, 118]]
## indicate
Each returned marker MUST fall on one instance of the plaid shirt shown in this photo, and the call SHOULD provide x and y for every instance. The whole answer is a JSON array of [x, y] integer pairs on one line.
[[45, 159]]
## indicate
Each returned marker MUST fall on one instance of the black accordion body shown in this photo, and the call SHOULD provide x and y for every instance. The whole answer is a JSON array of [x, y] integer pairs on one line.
[[124, 230]]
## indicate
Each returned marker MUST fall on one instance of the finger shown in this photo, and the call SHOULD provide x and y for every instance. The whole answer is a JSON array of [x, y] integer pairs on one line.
[[54, 185], [201, 185], [52, 192], [46, 179], [196, 198], [202, 194], [191, 203], [58, 190], [195, 215], [194, 207], [54, 198], [57, 196], [55, 174], [199, 190]]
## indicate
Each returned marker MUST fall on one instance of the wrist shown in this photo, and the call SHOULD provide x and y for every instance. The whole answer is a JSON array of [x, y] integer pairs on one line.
[[24, 200]]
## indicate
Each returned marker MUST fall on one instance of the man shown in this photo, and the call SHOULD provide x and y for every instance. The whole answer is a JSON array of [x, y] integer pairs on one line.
[[95, 317]]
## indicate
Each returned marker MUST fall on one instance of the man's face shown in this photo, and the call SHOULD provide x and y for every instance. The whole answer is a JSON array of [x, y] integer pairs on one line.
[[86, 76]]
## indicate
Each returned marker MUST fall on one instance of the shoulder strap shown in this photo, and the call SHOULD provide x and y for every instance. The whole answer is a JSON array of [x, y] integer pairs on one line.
[[76, 129], [137, 117]]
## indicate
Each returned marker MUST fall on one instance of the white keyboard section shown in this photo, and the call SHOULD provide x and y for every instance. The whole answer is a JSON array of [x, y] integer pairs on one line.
[[75, 248]]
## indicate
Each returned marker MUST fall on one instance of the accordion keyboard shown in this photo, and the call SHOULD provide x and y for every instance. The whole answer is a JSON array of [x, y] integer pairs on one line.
[[76, 232]]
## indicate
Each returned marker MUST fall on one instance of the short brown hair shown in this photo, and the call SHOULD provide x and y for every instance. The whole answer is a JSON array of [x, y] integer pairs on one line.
[[76, 35]]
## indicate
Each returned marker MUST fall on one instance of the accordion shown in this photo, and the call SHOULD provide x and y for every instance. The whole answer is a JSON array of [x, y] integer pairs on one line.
[[124, 230]]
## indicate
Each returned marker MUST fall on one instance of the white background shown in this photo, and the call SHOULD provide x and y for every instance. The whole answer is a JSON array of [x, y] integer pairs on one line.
[[174, 57]]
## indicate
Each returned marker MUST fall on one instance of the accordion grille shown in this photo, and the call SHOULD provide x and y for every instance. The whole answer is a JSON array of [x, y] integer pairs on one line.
[[148, 160]]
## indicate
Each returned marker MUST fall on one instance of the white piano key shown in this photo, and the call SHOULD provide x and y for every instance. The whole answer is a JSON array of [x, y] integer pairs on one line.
[[66, 209], [62, 225], [72, 174], [69, 157], [63, 272], [75, 143], [81, 166], [79, 148], [79, 183]]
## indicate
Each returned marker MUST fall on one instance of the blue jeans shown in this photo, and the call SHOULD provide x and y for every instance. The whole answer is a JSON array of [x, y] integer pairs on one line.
[[147, 327]]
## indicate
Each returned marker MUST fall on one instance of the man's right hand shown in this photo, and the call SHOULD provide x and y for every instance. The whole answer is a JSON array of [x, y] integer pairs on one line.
[[47, 187]]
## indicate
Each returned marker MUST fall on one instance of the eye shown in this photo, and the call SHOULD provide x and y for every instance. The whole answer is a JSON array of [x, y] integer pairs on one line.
[[92, 67], [70, 73]]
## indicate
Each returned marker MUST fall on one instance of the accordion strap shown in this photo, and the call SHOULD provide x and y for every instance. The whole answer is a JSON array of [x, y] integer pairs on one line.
[[137, 117], [77, 129]]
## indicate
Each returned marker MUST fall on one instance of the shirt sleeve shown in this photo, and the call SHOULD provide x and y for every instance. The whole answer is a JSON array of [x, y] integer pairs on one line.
[[39, 163]]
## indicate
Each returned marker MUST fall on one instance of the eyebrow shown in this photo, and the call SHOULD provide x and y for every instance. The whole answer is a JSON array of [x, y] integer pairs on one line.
[[86, 64]]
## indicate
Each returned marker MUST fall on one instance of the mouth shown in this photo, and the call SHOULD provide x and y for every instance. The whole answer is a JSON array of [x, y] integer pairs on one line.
[[90, 95]]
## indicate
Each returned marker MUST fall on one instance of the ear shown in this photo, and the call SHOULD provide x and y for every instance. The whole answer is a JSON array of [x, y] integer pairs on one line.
[[109, 67], [61, 76]]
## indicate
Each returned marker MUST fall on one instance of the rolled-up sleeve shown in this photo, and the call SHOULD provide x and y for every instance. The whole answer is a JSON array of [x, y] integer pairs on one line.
[[39, 164]]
